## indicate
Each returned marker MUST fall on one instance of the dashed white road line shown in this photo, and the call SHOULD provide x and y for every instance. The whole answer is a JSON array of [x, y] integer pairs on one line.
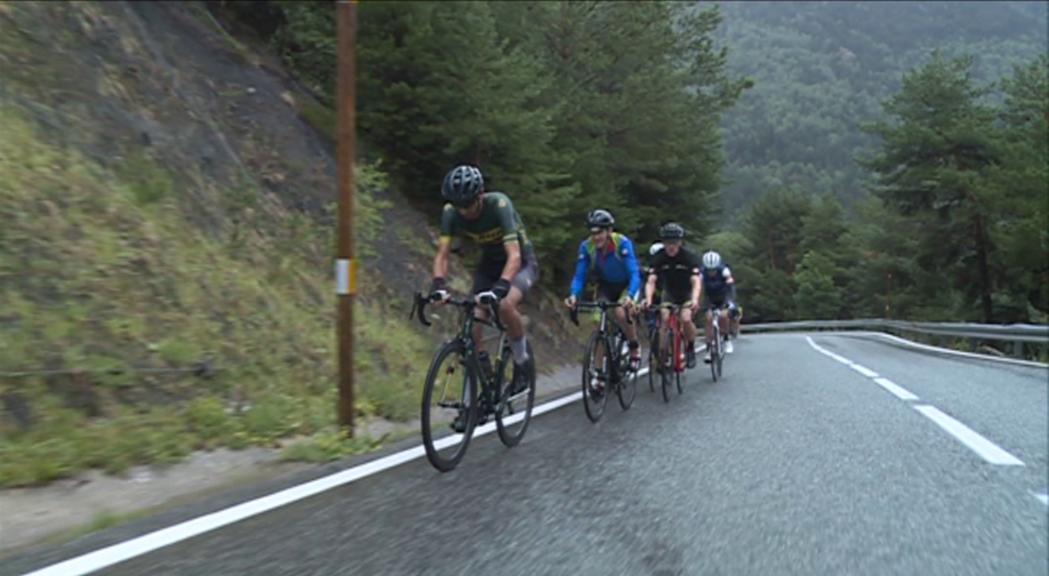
[[896, 390], [986, 449], [1043, 498], [864, 370]]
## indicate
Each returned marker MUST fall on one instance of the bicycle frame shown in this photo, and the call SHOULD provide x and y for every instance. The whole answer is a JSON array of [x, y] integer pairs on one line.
[[675, 328], [488, 395], [614, 354]]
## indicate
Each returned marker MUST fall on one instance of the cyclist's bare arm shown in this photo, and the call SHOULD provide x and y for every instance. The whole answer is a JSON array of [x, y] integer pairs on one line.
[[513, 261], [697, 288], [650, 288], [440, 260]]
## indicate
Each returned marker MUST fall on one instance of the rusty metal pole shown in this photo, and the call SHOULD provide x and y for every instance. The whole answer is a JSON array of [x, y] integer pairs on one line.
[[345, 264]]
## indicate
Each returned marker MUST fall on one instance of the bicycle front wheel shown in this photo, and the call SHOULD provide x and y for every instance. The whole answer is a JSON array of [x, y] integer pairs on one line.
[[715, 352], [720, 359], [626, 390], [514, 411], [449, 397], [595, 376]]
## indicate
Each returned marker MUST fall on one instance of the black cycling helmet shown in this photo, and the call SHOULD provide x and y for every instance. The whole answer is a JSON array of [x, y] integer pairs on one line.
[[600, 219], [462, 185], [671, 231]]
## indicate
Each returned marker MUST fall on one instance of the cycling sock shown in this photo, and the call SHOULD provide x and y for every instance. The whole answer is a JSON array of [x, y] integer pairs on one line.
[[520, 350]]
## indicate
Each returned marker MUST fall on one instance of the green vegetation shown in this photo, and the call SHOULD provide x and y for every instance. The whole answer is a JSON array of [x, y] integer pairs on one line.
[[957, 228], [101, 278], [563, 105], [821, 69], [328, 446]]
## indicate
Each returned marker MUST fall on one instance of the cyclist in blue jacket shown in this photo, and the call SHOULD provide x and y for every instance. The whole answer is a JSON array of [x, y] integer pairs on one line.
[[609, 257]]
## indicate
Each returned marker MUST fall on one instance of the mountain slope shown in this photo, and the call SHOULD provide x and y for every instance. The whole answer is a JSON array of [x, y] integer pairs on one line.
[[822, 69]]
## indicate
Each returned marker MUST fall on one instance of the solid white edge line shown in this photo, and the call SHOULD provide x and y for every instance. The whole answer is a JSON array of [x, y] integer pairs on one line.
[[826, 352], [105, 557], [905, 342], [894, 388], [986, 449]]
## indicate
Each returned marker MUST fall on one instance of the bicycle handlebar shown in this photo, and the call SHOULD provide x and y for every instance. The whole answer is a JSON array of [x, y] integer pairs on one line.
[[468, 304], [574, 314]]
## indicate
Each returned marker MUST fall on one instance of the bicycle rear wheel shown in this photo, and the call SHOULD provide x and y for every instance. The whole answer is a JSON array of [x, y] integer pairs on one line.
[[514, 411], [450, 391], [594, 398]]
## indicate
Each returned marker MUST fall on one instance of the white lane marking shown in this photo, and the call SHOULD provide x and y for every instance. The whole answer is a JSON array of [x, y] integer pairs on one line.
[[826, 352], [147, 543], [864, 370], [1043, 498], [896, 390], [938, 349], [986, 449]]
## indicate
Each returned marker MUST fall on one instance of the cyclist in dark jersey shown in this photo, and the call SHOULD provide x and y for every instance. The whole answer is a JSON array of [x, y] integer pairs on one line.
[[508, 267], [719, 291], [677, 269]]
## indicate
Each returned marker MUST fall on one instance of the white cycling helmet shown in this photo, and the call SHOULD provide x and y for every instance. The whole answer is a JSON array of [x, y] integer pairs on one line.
[[655, 248], [711, 259]]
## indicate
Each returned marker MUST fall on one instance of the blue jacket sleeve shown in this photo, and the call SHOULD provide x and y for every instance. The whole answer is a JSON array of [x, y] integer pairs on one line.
[[582, 264], [633, 269]]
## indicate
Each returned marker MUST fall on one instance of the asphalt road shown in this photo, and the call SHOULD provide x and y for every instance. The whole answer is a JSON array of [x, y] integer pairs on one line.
[[795, 463]]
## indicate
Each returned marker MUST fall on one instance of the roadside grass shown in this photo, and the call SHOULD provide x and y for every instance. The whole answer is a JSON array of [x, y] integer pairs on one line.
[[105, 285]]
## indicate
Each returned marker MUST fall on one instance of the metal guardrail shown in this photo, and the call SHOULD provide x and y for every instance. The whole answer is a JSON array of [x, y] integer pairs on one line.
[[1018, 334]]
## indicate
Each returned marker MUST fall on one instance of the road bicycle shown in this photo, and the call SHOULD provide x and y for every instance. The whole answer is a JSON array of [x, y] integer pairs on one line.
[[671, 357], [612, 372], [452, 393]]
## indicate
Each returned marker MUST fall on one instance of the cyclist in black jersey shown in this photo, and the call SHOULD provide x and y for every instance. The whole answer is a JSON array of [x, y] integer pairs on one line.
[[677, 269]]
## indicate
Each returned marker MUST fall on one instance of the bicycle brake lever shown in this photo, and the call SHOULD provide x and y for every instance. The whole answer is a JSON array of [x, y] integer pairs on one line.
[[420, 307]]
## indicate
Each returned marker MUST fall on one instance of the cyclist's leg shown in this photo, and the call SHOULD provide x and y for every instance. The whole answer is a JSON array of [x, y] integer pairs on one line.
[[709, 321], [664, 317], [688, 336], [613, 293], [484, 278], [509, 312], [688, 329]]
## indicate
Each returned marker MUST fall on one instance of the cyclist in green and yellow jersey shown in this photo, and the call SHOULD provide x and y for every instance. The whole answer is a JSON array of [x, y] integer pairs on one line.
[[508, 267]]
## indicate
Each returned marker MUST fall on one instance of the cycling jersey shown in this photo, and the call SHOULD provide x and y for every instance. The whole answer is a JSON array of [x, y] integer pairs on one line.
[[497, 225], [675, 273], [615, 263], [717, 281]]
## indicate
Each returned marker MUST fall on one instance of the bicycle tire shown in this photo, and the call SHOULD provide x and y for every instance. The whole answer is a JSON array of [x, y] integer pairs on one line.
[[626, 388], [511, 436], [653, 357], [721, 360], [715, 343], [595, 407], [431, 439]]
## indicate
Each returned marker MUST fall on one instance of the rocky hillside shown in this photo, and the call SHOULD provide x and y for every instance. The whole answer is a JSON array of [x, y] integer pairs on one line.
[[165, 259]]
